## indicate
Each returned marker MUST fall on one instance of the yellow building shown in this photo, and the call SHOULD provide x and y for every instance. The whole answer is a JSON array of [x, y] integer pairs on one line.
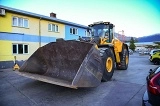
[[22, 32]]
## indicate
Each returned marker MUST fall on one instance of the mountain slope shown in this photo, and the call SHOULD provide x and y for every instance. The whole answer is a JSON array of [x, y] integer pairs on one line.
[[151, 38]]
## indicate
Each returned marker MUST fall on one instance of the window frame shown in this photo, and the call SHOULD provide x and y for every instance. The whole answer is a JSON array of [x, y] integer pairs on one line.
[[17, 48], [16, 21], [20, 22], [55, 26], [22, 25], [27, 22], [74, 31], [50, 27], [24, 48]]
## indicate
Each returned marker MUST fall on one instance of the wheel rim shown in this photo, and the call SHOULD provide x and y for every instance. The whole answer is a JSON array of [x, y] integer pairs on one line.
[[127, 59], [109, 64]]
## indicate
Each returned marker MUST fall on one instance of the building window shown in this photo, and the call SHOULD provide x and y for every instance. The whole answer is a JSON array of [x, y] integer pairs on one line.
[[15, 21], [49, 27], [20, 48], [25, 48], [14, 47], [25, 23], [74, 31], [53, 28], [20, 22]]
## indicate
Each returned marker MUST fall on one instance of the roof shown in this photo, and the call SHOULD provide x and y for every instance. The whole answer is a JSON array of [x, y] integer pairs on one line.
[[41, 16]]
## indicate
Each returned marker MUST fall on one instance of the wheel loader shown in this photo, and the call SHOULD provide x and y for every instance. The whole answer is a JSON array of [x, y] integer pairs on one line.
[[76, 64]]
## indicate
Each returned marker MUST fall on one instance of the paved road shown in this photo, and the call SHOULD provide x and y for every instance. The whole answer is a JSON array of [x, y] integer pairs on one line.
[[125, 89]]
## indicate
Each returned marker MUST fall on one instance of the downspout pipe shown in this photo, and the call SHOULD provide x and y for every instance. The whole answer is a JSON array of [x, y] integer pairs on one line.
[[39, 32]]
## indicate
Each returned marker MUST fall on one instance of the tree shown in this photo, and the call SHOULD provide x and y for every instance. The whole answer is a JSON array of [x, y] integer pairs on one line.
[[158, 44], [131, 44]]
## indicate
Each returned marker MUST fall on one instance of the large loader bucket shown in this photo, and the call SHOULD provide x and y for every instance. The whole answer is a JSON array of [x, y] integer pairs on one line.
[[66, 63]]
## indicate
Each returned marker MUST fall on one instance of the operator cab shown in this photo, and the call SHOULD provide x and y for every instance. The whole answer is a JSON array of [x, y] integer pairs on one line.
[[102, 30]]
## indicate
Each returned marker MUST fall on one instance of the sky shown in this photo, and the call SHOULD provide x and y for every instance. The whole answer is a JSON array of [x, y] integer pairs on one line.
[[136, 17]]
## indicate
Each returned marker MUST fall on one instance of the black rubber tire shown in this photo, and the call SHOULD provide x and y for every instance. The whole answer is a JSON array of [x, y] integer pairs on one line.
[[106, 54], [156, 61], [123, 55]]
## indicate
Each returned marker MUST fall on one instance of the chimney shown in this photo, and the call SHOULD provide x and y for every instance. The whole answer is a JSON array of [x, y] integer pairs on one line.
[[52, 15]]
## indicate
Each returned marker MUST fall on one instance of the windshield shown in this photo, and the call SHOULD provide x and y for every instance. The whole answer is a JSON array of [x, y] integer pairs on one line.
[[100, 30]]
